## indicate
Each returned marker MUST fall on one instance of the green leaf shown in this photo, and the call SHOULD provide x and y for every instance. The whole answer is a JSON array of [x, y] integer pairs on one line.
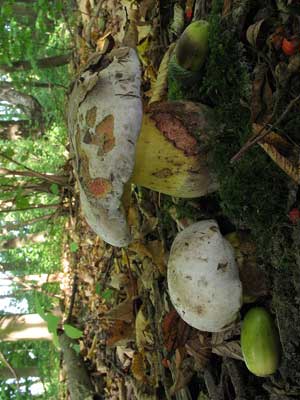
[[73, 247], [54, 188], [55, 340], [98, 288], [52, 322], [75, 347], [38, 307], [107, 294], [72, 332], [21, 202], [9, 153]]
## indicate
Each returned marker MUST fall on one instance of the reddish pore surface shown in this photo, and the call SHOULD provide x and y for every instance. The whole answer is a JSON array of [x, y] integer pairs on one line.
[[99, 187], [175, 132]]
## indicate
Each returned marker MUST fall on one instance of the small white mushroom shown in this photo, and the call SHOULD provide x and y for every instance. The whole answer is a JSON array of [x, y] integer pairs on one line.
[[203, 278]]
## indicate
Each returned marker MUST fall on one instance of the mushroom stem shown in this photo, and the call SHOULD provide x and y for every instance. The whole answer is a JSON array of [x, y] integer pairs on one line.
[[169, 159]]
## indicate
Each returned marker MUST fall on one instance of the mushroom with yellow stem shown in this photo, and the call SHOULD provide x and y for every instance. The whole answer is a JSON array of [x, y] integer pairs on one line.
[[114, 143]]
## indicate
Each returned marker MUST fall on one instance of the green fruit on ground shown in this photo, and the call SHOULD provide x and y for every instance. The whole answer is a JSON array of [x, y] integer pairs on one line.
[[260, 342], [192, 46]]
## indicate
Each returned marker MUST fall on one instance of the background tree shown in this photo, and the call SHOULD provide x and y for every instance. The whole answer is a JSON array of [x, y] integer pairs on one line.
[[35, 189]]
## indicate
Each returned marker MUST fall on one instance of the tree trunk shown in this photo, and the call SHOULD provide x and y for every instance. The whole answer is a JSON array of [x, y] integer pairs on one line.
[[14, 130], [22, 372], [38, 279], [48, 62], [79, 384], [24, 14], [19, 242], [28, 104], [23, 327]]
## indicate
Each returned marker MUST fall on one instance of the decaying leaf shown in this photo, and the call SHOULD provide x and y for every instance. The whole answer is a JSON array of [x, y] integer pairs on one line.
[[175, 331], [159, 88], [276, 38], [199, 347], [119, 333], [144, 337], [146, 6], [261, 97], [287, 166], [177, 24], [226, 7], [123, 311], [157, 251], [255, 33], [138, 367], [183, 375], [229, 349], [226, 343]]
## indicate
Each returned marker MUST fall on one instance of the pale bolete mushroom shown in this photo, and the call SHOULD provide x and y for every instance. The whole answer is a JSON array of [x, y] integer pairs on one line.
[[114, 144], [203, 278]]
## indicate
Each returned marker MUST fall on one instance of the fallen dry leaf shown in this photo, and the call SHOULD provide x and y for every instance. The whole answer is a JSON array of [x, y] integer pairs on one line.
[[229, 349], [120, 333], [226, 7], [175, 331], [144, 337], [122, 311]]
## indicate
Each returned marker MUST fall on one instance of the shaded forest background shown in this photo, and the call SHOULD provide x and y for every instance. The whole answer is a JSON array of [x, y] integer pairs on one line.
[[35, 46]]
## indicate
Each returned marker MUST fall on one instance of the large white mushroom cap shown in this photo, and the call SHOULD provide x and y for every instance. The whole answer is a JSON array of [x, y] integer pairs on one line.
[[203, 278], [104, 120]]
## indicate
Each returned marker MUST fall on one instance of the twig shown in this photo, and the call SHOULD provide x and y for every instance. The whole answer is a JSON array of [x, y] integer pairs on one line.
[[14, 226], [264, 131], [3, 359], [212, 388], [72, 300], [30, 208], [33, 174]]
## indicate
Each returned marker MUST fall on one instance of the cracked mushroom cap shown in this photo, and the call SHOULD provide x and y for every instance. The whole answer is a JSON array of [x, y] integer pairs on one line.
[[203, 278], [104, 120]]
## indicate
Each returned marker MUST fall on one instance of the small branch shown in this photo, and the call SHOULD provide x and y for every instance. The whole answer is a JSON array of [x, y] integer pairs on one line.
[[14, 226], [31, 208], [5, 362], [35, 174], [72, 300], [264, 131]]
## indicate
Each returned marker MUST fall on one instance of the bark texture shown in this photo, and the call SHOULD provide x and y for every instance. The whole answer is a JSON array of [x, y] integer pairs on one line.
[[79, 384], [14, 130], [28, 104]]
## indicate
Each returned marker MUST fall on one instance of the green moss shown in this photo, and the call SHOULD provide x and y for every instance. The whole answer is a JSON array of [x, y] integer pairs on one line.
[[246, 191]]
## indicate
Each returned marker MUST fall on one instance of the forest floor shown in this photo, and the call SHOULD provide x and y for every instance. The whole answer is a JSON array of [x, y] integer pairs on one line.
[[135, 344]]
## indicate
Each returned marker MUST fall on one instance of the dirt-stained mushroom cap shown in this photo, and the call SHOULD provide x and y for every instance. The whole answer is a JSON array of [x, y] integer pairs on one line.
[[104, 119], [203, 278]]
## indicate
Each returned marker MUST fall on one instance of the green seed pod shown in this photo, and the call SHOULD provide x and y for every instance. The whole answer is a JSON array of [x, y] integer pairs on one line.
[[260, 342], [192, 46]]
